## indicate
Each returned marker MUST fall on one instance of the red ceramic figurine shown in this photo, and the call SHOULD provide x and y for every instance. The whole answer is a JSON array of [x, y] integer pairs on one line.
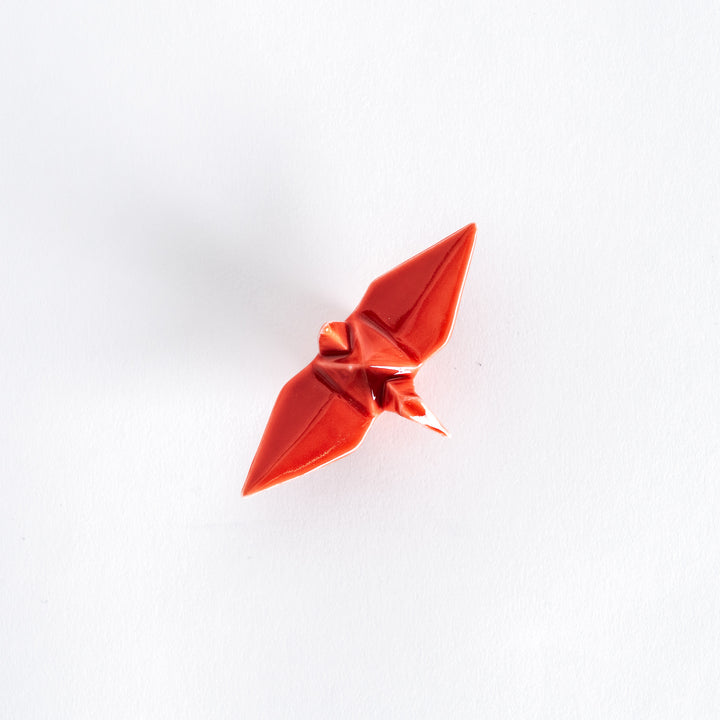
[[366, 365]]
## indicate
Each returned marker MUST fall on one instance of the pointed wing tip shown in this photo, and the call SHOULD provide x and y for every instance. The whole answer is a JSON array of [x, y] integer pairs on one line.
[[466, 234], [256, 484], [251, 487], [262, 479], [464, 237]]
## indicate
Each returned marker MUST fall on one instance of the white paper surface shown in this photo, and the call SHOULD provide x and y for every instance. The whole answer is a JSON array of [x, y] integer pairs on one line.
[[190, 190]]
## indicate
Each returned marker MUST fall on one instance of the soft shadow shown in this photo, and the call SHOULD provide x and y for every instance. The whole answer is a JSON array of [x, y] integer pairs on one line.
[[208, 288]]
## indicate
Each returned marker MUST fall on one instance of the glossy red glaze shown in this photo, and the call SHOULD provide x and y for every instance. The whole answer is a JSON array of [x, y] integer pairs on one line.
[[366, 365]]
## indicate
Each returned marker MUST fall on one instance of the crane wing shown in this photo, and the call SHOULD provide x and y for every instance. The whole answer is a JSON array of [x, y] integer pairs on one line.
[[416, 302], [310, 425]]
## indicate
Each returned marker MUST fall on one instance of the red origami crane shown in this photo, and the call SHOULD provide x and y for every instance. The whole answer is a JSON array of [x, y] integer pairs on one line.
[[366, 365]]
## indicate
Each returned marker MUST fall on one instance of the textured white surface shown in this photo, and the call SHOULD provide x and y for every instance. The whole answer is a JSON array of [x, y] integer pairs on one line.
[[189, 190]]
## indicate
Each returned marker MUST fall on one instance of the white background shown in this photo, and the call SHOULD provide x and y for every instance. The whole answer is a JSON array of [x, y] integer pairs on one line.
[[189, 190]]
